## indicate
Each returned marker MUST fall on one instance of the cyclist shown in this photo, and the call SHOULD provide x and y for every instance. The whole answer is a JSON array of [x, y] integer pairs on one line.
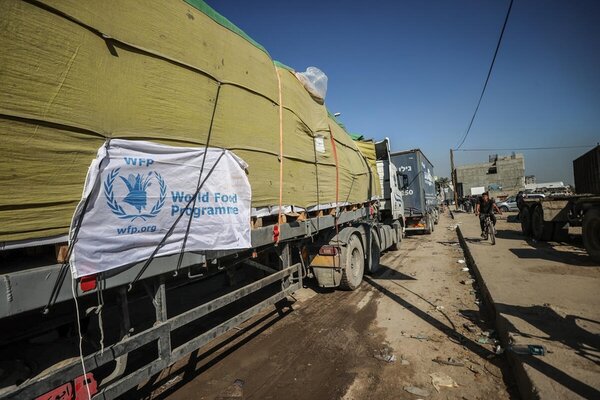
[[485, 207]]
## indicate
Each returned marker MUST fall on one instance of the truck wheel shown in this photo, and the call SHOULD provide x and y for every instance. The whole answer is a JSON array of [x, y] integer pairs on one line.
[[540, 229], [374, 253], [353, 264], [504, 209], [397, 230], [525, 218], [591, 233], [428, 225]]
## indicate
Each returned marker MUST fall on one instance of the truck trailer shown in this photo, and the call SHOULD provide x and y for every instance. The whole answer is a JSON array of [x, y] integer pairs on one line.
[[549, 218], [214, 181], [418, 190]]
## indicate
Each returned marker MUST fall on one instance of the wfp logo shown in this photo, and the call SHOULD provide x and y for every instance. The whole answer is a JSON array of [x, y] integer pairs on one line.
[[136, 187]]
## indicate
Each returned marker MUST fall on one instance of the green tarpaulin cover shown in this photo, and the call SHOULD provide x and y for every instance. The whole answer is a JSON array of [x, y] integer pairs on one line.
[[74, 73]]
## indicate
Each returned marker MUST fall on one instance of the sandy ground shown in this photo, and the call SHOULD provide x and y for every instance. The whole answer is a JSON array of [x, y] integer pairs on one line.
[[332, 344], [544, 293]]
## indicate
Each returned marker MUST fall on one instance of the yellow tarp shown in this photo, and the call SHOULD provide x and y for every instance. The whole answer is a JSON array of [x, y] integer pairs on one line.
[[367, 148], [77, 72]]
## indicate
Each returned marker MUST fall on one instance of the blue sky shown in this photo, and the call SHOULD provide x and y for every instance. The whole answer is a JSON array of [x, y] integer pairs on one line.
[[413, 71]]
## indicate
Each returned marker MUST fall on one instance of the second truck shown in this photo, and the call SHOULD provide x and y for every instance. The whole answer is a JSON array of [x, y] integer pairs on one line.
[[418, 190]]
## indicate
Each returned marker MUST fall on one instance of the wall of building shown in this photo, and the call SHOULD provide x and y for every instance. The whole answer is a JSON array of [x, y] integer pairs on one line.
[[506, 172]]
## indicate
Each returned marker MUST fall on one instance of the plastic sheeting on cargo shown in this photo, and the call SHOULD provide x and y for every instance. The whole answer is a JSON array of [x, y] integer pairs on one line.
[[74, 73]]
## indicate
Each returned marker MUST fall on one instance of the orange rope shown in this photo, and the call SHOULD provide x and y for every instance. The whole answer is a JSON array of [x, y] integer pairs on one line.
[[337, 173], [337, 187], [280, 148]]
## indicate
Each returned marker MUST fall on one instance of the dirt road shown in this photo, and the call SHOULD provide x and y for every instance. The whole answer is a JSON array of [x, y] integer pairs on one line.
[[333, 344]]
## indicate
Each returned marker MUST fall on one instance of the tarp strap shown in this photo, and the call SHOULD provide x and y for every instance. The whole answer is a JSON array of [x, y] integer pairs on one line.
[[172, 228], [189, 224], [337, 173], [279, 221]]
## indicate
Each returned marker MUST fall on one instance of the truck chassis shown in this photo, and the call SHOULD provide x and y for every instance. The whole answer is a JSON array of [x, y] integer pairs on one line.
[[549, 219], [348, 225]]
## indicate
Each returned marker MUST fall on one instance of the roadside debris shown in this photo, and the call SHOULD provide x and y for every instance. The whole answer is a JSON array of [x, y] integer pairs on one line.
[[528, 349], [235, 391], [465, 269], [417, 391], [467, 281], [449, 361], [486, 340], [461, 261], [420, 336], [474, 370], [385, 354], [470, 327], [439, 380]]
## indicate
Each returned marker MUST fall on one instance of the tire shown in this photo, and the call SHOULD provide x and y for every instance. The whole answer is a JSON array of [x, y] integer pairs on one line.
[[540, 229], [504, 209], [491, 233], [374, 256], [525, 218], [428, 225], [397, 228], [353, 264], [591, 233]]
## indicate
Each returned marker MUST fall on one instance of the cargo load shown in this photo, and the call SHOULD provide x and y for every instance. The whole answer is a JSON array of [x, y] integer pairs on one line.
[[77, 73]]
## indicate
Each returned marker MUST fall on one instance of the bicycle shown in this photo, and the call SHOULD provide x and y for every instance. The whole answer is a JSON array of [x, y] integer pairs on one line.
[[488, 230]]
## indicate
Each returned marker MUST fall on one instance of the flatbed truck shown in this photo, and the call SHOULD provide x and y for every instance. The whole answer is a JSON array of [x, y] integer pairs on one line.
[[145, 330], [549, 218]]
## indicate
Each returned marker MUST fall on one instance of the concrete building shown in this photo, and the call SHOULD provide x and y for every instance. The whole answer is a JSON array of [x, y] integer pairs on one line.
[[501, 176]]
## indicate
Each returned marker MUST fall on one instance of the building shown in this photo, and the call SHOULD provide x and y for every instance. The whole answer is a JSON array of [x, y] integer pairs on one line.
[[504, 175]]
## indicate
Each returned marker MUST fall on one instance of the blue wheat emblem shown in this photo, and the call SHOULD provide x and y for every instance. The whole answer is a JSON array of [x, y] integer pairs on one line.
[[137, 197], [137, 186]]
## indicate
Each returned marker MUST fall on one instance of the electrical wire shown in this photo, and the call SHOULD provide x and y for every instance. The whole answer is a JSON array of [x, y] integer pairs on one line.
[[487, 78], [530, 148]]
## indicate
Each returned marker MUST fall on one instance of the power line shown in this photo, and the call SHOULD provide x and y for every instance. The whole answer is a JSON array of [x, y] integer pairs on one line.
[[530, 148], [488, 76]]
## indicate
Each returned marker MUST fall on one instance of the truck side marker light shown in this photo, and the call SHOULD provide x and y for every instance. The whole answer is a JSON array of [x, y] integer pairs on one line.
[[329, 250], [87, 283]]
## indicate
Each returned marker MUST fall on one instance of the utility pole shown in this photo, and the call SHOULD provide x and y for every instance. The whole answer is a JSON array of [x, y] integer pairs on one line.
[[453, 176]]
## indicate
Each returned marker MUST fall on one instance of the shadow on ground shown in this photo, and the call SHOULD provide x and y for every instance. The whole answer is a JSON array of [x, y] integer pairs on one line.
[[449, 331], [560, 329]]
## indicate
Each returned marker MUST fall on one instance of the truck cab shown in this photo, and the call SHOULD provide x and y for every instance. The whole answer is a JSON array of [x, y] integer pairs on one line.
[[391, 203]]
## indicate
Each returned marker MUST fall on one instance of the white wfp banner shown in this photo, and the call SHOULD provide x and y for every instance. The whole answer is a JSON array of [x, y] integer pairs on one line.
[[134, 193]]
